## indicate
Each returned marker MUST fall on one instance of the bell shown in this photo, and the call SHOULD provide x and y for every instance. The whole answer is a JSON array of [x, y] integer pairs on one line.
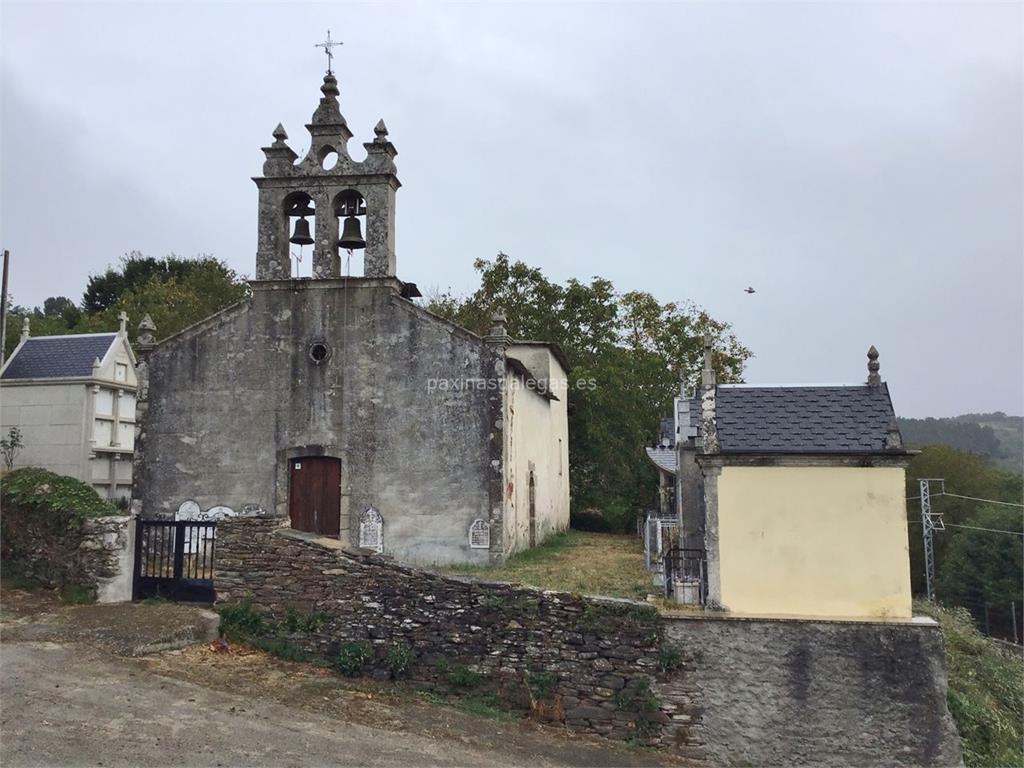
[[351, 235], [301, 234]]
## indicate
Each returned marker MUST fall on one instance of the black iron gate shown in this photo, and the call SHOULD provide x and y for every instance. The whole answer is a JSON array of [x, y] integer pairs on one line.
[[174, 559]]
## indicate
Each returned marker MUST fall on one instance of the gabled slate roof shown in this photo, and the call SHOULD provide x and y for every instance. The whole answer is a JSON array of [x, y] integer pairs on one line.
[[58, 357], [835, 419]]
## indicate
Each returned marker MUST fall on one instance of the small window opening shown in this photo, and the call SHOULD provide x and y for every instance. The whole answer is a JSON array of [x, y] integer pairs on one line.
[[319, 352]]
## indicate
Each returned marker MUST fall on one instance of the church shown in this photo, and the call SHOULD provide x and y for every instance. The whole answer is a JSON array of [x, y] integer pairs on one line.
[[339, 405]]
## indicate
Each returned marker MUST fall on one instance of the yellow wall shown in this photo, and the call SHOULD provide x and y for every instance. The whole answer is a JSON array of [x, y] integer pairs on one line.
[[819, 541]]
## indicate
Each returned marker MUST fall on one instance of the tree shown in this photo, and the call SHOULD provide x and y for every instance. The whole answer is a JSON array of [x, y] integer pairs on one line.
[[175, 292], [627, 352], [972, 567], [10, 447]]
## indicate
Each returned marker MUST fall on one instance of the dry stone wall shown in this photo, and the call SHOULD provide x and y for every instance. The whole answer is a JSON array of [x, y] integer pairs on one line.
[[95, 554], [599, 660]]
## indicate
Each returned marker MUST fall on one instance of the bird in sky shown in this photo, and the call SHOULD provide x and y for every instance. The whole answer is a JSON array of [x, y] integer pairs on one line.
[[749, 290]]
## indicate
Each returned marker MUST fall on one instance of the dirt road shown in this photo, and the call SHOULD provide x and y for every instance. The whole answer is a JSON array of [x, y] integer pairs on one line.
[[67, 701]]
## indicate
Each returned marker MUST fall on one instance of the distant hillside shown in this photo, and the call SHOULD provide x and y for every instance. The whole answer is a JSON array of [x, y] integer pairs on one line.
[[995, 436]]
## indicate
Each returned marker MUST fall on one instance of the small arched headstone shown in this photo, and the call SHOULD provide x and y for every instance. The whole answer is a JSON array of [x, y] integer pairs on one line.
[[480, 535], [371, 530], [188, 510]]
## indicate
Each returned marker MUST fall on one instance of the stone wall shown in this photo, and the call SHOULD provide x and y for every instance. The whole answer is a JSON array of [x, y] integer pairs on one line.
[[727, 691], [108, 547], [98, 556], [778, 692], [601, 652], [231, 401]]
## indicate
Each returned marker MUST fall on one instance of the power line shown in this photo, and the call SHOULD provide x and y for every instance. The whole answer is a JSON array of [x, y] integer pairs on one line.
[[975, 498], [976, 528]]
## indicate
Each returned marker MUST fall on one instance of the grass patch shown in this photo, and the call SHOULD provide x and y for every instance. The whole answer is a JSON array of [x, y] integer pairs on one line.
[[78, 596], [986, 690], [575, 561], [280, 648], [488, 706], [459, 675], [22, 582]]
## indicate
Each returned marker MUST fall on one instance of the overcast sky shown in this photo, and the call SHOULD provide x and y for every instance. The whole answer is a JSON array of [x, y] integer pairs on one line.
[[859, 164]]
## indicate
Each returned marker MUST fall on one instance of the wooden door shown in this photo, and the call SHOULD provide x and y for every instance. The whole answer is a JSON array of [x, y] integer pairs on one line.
[[314, 495]]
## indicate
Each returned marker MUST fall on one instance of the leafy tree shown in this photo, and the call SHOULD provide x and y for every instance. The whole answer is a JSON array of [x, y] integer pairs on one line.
[[972, 567], [627, 354], [175, 292], [983, 566]]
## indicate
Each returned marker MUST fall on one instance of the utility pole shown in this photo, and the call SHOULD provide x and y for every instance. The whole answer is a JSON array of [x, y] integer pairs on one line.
[[930, 522], [3, 310]]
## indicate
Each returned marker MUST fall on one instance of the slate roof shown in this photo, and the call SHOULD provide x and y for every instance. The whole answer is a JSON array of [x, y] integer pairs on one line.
[[803, 419], [663, 458], [58, 357]]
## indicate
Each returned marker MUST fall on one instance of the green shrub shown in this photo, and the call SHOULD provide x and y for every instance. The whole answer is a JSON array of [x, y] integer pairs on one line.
[[240, 621], [399, 657], [542, 684], [47, 492], [459, 675], [280, 648], [986, 690], [670, 658], [351, 658], [295, 621], [636, 696], [43, 516]]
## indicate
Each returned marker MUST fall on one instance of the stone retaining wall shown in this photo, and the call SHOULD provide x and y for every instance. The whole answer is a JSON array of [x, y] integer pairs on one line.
[[97, 556], [721, 690], [108, 555], [601, 653], [830, 693]]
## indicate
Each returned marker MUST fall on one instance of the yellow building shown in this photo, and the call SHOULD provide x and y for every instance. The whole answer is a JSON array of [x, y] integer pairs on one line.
[[803, 491]]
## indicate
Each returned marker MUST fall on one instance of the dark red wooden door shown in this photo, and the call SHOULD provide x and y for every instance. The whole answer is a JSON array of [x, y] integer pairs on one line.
[[314, 495]]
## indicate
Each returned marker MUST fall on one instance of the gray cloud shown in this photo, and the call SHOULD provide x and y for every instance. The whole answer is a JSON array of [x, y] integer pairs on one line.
[[859, 164]]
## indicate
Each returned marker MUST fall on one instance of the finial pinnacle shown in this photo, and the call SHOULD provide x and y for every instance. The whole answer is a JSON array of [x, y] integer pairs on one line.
[[707, 377], [380, 129], [280, 133], [26, 328], [874, 378], [146, 337]]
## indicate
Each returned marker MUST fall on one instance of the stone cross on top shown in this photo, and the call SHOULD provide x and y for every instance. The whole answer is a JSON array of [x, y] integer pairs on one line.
[[123, 317], [327, 45]]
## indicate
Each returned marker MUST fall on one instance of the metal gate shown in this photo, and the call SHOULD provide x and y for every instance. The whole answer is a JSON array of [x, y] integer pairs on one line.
[[174, 559]]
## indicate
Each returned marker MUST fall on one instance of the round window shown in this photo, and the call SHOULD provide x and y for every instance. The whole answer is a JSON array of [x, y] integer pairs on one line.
[[319, 352]]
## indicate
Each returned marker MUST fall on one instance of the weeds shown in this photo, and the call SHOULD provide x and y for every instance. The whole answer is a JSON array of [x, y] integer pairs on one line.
[[670, 658], [399, 657], [459, 675], [78, 595], [542, 684], [240, 621], [352, 657], [282, 649], [295, 621]]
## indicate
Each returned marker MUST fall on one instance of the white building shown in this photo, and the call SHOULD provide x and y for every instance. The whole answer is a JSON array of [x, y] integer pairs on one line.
[[73, 398]]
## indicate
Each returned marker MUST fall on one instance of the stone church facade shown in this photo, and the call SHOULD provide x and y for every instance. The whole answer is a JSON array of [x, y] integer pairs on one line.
[[338, 404]]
